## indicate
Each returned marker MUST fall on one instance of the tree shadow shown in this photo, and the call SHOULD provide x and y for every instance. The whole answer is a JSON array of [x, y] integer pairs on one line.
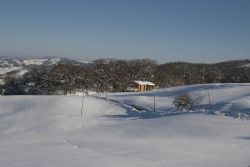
[[136, 114], [244, 137]]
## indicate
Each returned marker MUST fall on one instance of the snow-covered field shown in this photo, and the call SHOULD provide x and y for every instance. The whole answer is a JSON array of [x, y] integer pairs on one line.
[[229, 99], [49, 131]]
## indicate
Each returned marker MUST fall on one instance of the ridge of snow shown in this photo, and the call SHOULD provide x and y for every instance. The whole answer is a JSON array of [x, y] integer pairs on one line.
[[54, 61], [84, 61], [4, 70], [22, 72], [246, 65], [9, 65], [144, 83], [34, 61]]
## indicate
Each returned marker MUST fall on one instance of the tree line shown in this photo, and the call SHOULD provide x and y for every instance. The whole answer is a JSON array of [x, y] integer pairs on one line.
[[116, 75]]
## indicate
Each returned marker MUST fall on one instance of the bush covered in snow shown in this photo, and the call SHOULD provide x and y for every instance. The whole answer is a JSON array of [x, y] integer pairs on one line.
[[184, 101]]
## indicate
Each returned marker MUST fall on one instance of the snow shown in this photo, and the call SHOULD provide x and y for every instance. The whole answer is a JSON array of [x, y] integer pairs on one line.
[[85, 61], [81, 93], [22, 72], [144, 83], [246, 65], [4, 63], [4, 70], [54, 61], [49, 131], [34, 61], [17, 61], [222, 97], [19, 64], [2, 82]]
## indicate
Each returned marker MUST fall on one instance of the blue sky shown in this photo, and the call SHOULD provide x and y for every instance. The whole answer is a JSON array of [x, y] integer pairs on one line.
[[163, 30]]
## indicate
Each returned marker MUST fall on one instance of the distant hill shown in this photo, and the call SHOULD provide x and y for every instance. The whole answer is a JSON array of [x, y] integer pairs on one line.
[[21, 64], [114, 75]]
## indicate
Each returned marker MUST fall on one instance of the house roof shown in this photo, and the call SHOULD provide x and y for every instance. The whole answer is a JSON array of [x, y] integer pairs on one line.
[[145, 83]]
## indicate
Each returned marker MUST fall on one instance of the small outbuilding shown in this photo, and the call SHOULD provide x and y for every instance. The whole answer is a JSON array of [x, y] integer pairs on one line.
[[141, 86]]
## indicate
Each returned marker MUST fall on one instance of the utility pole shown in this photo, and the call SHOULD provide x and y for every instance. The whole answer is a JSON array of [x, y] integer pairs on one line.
[[154, 103], [106, 96], [82, 104], [209, 100]]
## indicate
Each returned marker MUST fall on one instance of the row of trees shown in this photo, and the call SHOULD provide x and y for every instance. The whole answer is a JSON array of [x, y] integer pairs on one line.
[[179, 73], [115, 75], [101, 75]]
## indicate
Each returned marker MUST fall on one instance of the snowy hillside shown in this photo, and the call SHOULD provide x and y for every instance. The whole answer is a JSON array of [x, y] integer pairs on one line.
[[17, 64], [226, 99], [9, 65], [49, 131]]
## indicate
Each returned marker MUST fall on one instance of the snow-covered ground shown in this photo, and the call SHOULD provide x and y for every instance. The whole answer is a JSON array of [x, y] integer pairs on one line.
[[231, 99], [246, 65], [4, 70], [34, 61], [51, 61], [8, 65], [55, 60], [49, 130]]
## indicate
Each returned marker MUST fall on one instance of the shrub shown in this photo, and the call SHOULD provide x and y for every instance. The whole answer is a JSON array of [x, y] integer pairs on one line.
[[184, 101]]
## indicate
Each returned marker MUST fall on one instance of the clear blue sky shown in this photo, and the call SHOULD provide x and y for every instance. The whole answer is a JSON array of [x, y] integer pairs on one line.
[[163, 30]]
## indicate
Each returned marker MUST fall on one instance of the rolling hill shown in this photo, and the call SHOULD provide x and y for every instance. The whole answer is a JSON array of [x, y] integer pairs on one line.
[[49, 130]]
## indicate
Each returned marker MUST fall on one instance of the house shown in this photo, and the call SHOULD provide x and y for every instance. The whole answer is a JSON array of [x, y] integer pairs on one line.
[[141, 86]]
